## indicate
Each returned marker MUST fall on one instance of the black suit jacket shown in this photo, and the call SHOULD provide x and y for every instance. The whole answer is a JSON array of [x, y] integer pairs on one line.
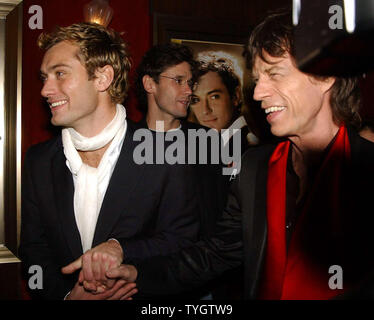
[[149, 209], [242, 231], [210, 186]]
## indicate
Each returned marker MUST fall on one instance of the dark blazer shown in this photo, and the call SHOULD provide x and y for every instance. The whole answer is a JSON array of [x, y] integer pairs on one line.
[[207, 177], [150, 209], [211, 187], [241, 232], [244, 146]]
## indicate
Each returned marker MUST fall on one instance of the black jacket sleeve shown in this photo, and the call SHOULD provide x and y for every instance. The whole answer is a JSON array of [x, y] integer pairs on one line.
[[193, 266], [176, 223], [34, 249]]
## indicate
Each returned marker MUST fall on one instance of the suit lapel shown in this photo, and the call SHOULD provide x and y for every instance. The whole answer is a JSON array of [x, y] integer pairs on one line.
[[257, 241], [63, 189], [124, 178]]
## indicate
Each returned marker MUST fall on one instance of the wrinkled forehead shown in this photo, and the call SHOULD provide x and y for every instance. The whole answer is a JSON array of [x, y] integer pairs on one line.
[[182, 70], [265, 61]]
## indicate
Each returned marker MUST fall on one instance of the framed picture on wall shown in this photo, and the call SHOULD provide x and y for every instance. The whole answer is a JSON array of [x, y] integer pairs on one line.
[[221, 36], [167, 27], [230, 54], [233, 52]]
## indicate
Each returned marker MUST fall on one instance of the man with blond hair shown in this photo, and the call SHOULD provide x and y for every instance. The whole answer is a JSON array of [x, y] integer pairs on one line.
[[87, 206]]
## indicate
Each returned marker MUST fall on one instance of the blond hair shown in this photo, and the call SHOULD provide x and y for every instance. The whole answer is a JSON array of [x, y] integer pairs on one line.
[[98, 47]]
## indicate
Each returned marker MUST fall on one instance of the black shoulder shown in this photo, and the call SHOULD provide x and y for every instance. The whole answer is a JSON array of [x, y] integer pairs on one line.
[[259, 153], [134, 125], [45, 148], [362, 150], [142, 124]]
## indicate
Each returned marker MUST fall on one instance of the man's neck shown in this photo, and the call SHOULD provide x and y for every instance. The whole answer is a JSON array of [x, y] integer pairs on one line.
[[167, 123], [93, 125], [309, 147], [307, 152], [93, 158]]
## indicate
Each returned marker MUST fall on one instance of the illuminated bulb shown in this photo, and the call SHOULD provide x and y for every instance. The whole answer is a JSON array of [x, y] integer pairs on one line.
[[98, 11], [350, 15], [296, 7]]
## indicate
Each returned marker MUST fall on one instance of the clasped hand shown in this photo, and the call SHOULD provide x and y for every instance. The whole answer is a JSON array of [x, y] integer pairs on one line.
[[93, 277]]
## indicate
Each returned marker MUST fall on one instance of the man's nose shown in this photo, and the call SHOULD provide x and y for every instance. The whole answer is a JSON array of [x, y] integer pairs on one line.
[[187, 89], [49, 88], [261, 91], [206, 107]]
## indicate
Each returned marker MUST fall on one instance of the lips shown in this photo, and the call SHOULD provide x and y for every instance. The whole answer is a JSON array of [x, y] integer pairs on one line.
[[209, 120], [57, 103], [274, 109], [184, 102]]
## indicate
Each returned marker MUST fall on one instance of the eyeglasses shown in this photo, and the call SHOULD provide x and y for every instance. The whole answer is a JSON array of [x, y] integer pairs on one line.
[[181, 82]]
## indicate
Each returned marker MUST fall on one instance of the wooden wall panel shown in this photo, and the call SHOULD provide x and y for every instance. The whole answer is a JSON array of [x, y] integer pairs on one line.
[[251, 11]]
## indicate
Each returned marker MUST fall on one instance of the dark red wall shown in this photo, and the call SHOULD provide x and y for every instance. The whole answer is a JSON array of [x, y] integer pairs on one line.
[[130, 17]]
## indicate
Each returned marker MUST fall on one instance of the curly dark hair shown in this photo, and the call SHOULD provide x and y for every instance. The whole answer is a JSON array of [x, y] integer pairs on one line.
[[275, 36], [228, 77], [157, 60]]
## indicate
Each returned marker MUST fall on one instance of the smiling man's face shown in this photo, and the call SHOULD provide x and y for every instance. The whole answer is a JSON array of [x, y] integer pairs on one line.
[[172, 98], [72, 97], [295, 103]]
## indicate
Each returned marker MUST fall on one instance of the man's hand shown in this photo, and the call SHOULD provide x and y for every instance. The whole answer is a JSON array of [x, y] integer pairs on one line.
[[122, 290], [95, 263], [125, 272]]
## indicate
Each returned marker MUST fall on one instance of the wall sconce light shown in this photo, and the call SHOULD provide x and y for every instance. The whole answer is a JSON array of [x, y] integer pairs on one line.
[[98, 11]]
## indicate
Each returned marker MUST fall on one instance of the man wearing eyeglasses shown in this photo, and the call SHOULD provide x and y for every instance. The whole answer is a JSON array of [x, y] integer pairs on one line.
[[165, 83]]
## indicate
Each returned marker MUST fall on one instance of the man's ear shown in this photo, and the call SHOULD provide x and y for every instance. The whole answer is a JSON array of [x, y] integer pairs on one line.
[[325, 83], [237, 98], [104, 77], [148, 84], [328, 83]]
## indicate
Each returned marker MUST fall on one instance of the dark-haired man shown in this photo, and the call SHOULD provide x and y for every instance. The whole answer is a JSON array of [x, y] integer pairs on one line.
[[165, 82], [217, 100], [297, 213]]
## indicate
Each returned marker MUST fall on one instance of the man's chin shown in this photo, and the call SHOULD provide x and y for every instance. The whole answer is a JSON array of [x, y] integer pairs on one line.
[[180, 115], [58, 122]]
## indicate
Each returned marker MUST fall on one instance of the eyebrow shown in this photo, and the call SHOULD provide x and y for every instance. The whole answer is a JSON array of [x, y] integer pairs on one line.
[[59, 65], [175, 76], [274, 68], [254, 74], [215, 90]]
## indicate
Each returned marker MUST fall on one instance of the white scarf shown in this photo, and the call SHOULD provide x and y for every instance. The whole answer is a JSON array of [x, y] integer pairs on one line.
[[87, 203]]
